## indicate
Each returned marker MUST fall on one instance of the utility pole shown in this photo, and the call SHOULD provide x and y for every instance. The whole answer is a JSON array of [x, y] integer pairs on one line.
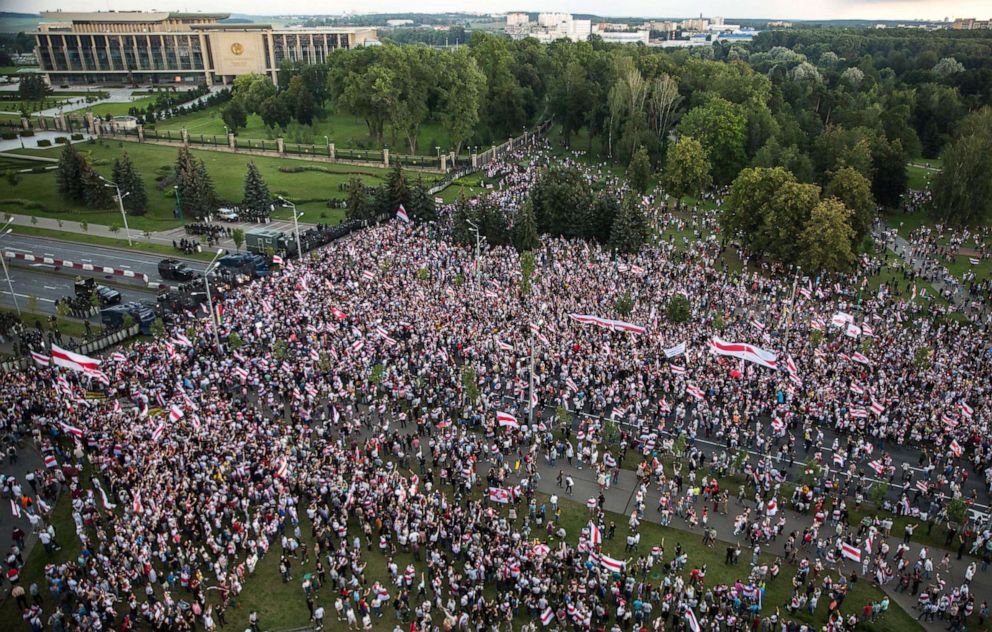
[[120, 201], [530, 402], [478, 255], [296, 227], [3, 259], [210, 301], [787, 312]]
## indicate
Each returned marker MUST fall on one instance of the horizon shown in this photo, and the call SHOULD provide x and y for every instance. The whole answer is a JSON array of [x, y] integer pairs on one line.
[[830, 10]]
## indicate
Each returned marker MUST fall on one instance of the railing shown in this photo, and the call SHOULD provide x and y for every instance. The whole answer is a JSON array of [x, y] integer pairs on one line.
[[85, 347]]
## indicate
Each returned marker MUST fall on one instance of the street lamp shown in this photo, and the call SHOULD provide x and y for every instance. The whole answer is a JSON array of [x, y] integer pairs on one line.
[[3, 259], [296, 226], [210, 301], [478, 266], [179, 204], [120, 201]]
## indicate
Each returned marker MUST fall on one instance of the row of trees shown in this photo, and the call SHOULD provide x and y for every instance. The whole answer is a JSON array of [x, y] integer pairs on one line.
[[561, 203], [78, 183], [774, 214], [368, 205]]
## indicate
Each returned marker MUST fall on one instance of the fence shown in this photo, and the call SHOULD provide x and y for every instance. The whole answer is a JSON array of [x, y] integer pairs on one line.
[[85, 347]]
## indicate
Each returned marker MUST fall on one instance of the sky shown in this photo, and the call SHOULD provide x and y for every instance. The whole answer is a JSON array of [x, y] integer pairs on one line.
[[783, 9]]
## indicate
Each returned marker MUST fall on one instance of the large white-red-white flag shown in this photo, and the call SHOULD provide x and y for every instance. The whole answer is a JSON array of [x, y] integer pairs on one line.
[[607, 323], [745, 351], [506, 420], [850, 551], [595, 535], [75, 361]]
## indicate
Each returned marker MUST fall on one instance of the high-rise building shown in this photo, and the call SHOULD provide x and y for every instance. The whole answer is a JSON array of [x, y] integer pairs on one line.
[[152, 47]]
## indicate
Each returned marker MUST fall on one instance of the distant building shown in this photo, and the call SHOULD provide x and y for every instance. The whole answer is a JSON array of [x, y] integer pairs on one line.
[[166, 48], [395, 23], [696, 25], [970, 24], [628, 37], [517, 19]]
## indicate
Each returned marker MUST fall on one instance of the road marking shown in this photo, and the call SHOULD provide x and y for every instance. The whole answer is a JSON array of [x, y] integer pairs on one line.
[[47, 300], [49, 287], [124, 266], [86, 260], [17, 249]]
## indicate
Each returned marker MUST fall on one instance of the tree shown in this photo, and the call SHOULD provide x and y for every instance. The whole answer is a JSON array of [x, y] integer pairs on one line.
[[238, 236], [305, 108], [359, 208], [130, 183], [853, 190], [196, 189], [32, 88], [687, 171], [826, 239], [422, 207], [562, 202], [749, 202], [460, 97], [68, 175], [274, 112], [257, 200], [677, 310], [470, 383], [719, 126], [962, 190], [890, 179], [639, 170], [630, 229], [527, 266], [234, 115], [525, 229], [394, 194], [624, 304], [95, 192]]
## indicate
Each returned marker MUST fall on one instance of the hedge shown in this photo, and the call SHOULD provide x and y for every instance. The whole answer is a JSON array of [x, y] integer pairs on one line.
[[77, 137], [44, 142], [27, 132]]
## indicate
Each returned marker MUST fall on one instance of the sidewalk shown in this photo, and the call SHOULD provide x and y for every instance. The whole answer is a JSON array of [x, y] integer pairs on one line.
[[619, 499], [957, 294], [163, 237]]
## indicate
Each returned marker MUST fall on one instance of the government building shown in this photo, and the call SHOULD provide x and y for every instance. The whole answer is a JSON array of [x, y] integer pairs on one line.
[[132, 47]]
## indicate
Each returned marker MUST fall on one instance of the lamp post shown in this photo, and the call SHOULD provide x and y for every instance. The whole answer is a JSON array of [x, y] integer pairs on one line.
[[296, 226], [478, 266], [3, 259], [179, 204], [120, 202], [210, 301]]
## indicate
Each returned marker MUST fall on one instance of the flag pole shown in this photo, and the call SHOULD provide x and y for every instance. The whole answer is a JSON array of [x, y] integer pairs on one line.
[[530, 415], [787, 313]]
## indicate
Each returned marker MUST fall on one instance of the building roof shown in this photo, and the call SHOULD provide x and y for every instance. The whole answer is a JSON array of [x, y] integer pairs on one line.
[[128, 16]]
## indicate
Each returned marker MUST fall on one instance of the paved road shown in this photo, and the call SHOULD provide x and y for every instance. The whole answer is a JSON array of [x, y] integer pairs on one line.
[[619, 499], [47, 285], [146, 263]]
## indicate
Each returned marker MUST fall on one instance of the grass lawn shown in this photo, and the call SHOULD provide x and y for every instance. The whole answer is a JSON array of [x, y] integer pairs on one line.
[[282, 605], [36, 194], [68, 326], [78, 235], [919, 177], [30, 106], [345, 131], [119, 108]]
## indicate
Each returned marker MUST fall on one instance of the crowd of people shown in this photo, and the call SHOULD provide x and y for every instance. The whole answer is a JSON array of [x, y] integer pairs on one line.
[[360, 394]]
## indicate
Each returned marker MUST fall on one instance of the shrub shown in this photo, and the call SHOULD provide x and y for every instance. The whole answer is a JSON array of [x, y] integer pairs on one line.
[[44, 143], [678, 309], [77, 137], [26, 132], [8, 135], [61, 140]]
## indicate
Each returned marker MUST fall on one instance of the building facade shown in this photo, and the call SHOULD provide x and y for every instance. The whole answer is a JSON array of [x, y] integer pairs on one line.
[[137, 47]]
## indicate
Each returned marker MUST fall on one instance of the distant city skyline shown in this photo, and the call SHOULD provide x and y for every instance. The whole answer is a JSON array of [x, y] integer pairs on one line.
[[758, 9]]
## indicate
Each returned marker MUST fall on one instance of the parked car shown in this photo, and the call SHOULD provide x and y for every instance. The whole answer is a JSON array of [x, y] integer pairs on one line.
[[143, 316], [227, 214], [175, 270]]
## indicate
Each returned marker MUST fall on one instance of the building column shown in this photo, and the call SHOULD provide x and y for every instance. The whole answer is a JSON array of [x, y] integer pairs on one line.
[[444, 162], [475, 161], [385, 158], [141, 133], [331, 151], [184, 135], [272, 56], [82, 54], [230, 141], [280, 145]]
